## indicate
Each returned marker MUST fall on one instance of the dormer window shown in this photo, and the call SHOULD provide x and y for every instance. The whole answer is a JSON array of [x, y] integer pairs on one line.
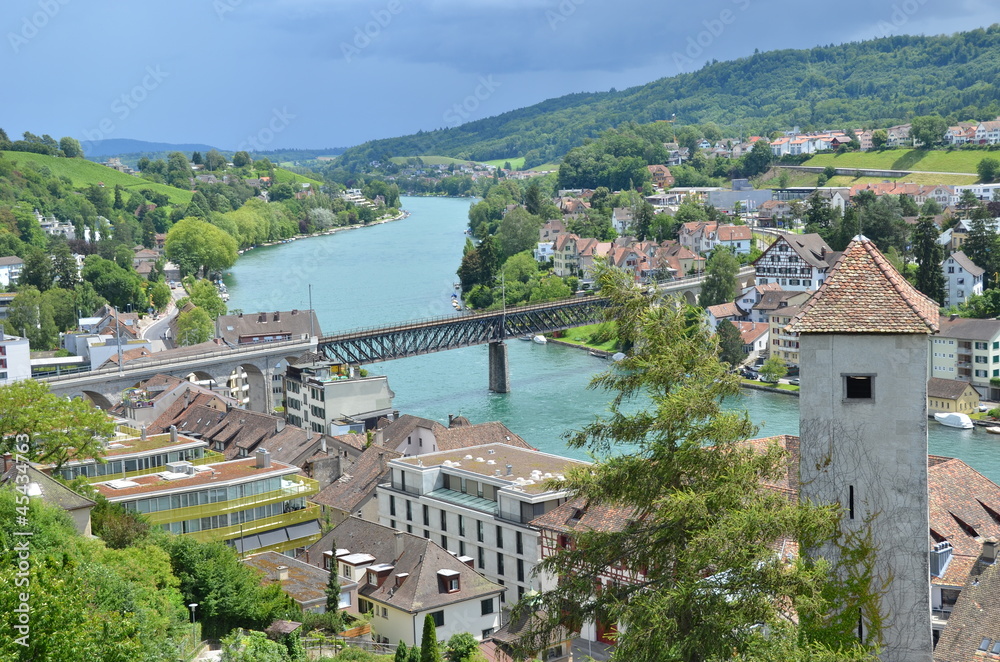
[[373, 578], [449, 581]]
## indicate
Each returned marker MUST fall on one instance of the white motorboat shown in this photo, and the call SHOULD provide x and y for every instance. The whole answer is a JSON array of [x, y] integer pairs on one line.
[[954, 420], [539, 339]]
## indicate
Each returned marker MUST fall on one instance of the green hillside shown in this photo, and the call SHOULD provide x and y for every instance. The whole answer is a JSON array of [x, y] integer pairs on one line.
[[83, 173], [434, 160], [288, 177], [906, 159], [870, 83]]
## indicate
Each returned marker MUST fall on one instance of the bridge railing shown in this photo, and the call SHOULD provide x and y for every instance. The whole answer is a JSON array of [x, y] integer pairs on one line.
[[149, 365]]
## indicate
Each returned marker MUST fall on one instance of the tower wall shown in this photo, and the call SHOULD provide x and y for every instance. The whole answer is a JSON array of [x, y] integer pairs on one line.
[[870, 455]]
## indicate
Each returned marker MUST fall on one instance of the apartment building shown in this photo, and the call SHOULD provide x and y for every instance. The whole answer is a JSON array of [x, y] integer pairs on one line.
[[478, 502], [796, 262], [968, 350], [332, 398]]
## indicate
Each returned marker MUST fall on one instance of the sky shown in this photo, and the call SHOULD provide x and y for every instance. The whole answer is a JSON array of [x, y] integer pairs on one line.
[[259, 75]]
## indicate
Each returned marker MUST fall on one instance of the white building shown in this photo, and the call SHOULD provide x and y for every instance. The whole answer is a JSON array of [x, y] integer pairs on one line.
[[478, 502], [621, 220], [331, 398], [10, 270], [15, 359], [797, 262], [968, 350], [962, 278]]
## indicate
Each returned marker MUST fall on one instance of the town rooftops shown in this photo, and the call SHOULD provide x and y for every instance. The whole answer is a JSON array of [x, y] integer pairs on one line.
[[949, 389], [750, 332], [580, 515], [354, 486], [962, 260], [810, 247], [412, 584], [965, 328], [972, 632], [10, 260], [734, 233], [725, 310], [303, 582], [215, 475], [529, 470], [863, 293], [245, 327], [45, 486]]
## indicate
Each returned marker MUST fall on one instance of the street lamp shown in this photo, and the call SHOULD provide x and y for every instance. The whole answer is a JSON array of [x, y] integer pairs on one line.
[[192, 607]]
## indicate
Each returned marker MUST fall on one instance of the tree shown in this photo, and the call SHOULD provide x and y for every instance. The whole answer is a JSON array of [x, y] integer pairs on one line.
[[988, 169], [928, 129], [62, 303], [56, 429], [121, 287], [720, 284], [214, 160], [693, 522], [159, 295], [333, 592], [205, 295], [929, 255], [241, 159], [64, 269], [252, 646], [70, 147], [461, 647], [428, 642], [401, 653], [194, 326], [981, 306], [195, 245], [774, 368], [982, 246], [879, 138], [730, 343], [37, 270], [518, 232], [30, 315], [117, 527]]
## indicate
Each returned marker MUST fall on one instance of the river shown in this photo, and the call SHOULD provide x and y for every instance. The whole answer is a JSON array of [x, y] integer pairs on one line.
[[405, 270]]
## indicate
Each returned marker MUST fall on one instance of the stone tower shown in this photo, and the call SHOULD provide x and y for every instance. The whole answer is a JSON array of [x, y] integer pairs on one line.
[[863, 429]]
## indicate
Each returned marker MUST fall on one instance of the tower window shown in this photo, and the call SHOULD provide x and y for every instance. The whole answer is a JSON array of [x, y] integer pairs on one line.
[[858, 387]]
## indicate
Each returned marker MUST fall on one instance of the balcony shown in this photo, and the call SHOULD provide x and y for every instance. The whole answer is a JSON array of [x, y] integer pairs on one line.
[[292, 487], [310, 512], [211, 457]]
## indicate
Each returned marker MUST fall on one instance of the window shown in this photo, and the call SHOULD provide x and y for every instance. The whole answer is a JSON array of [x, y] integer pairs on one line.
[[479, 531], [519, 542], [520, 570], [392, 505], [461, 525], [409, 510], [480, 557], [984, 645], [500, 563], [444, 542], [444, 521], [427, 516], [486, 606], [487, 633], [996, 647], [858, 387], [364, 606], [499, 538], [438, 617]]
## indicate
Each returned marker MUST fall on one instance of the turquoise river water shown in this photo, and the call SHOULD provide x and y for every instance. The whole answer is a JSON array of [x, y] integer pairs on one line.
[[405, 270]]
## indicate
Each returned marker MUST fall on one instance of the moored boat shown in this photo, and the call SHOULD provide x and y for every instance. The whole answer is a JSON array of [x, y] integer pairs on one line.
[[539, 339], [993, 429], [954, 420]]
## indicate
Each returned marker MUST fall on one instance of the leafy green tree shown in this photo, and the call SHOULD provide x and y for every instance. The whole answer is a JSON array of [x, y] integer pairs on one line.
[[929, 255], [981, 306], [988, 169], [241, 159], [62, 303], [414, 654], [879, 138], [552, 288], [241, 646], [982, 246], [730, 343], [518, 232], [121, 287], [774, 368], [37, 270], [696, 523], [720, 284], [58, 429], [461, 647], [87, 298], [206, 295], [194, 326], [195, 245], [429, 651], [64, 269], [401, 653], [928, 129], [159, 295], [883, 223], [30, 315], [70, 147], [117, 527]]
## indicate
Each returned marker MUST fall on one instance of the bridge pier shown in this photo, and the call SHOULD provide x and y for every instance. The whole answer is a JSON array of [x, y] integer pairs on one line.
[[499, 372]]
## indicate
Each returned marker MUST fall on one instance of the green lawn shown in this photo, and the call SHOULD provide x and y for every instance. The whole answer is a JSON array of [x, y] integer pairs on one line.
[[935, 160], [516, 162], [83, 173], [950, 180], [546, 166], [580, 334], [287, 176]]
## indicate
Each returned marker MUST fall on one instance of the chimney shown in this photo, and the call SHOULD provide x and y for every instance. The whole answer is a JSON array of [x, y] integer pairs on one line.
[[510, 469], [399, 544], [400, 578], [281, 573], [173, 434], [8, 461], [279, 424], [990, 551], [277, 316], [261, 318], [322, 443], [142, 433], [822, 252], [468, 560], [263, 458], [451, 417], [953, 317]]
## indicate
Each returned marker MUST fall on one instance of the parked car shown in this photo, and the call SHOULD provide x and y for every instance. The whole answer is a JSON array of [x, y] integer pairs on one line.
[[794, 382], [748, 373]]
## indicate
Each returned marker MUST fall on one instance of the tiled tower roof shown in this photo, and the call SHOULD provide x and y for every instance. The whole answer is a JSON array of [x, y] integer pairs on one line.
[[865, 294]]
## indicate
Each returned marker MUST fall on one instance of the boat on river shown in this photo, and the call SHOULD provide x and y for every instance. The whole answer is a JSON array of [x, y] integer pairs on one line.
[[954, 420], [539, 340], [993, 429]]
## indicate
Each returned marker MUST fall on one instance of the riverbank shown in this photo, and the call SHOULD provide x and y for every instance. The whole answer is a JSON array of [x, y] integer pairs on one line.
[[402, 214]]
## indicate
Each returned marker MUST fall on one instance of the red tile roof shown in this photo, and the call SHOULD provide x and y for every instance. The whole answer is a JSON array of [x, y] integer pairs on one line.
[[865, 294]]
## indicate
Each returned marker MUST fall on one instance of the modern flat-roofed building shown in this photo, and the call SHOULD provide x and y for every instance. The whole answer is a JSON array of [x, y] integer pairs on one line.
[[478, 502], [253, 503]]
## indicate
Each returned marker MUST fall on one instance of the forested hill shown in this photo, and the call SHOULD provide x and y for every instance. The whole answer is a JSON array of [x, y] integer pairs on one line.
[[868, 83]]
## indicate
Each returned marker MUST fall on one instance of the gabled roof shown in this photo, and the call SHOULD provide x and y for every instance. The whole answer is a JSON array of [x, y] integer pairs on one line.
[[752, 331], [294, 322], [974, 618], [306, 583], [863, 293], [962, 260], [967, 328], [580, 515], [398, 430], [467, 436], [734, 233], [51, 490], [771, 301], [949, 389], [964, 505], [419, 557], [725, 310], [351, 489]]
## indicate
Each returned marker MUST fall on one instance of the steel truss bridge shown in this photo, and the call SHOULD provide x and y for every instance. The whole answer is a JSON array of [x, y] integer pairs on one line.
[[363, 346]]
